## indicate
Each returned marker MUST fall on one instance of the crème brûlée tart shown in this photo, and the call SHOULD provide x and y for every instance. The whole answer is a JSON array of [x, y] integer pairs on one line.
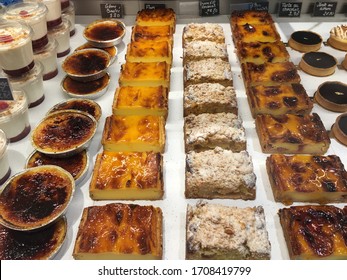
[[315, 232], [35, 197], [292, 134], [40, 244], [338, 37], [307, 178], [121, 175], [141, 101], [134, 134], [119, 231]]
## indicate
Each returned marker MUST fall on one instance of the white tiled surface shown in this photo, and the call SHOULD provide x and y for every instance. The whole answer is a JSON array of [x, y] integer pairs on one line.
[[174, 204]]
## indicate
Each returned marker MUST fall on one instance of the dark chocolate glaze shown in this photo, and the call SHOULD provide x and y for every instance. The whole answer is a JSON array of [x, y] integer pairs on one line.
[[343, 124], [319, 59], [306, 37], [334, 92]]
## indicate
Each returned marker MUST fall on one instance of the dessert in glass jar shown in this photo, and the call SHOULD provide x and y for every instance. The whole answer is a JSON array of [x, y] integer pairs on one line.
[[5, 170], [61, 34], [48, 57]]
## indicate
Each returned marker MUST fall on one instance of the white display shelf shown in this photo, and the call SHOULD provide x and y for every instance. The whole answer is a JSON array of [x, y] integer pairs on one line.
[[174, 203]]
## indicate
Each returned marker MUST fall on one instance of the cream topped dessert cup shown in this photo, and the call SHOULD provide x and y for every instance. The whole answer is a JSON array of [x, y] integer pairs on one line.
[[14, 117], [48, 58], [34, 15], [5, 170], [31, 83], [61, 33], [69, 13], [16, 52], [338, 37], [53, 17]]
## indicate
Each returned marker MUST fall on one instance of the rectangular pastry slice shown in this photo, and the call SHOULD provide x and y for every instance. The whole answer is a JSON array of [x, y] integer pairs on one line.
[[269, 74], [209, 70], [120, 175], [292, 134], [218, 232], [152, 33], [197, 50], [307, 178], [156, 17], [255, 33], [119, 231], [203, 32], [219, 173], [208, 131], [146, 74], [141, 101], [134, 134], [148, 51], [260, 53], [242, 17], [315, 232], [279, 100], [209, 98]]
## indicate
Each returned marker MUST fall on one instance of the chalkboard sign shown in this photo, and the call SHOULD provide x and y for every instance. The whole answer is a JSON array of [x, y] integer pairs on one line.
[[208, 8], [290, 9], [111, 10], [324, 9], [5, 90], [259, 6], [149, 6]]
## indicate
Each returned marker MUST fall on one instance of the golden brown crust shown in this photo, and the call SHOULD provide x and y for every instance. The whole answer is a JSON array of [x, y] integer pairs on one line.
[[148, 51], [152, 33], [239, 17], [121, 230], [156, 17], [255, 33]]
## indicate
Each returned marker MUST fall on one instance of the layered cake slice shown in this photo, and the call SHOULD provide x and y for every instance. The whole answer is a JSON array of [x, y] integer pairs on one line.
[[119, 231], [219, 173], [207, 131], [209, 70], [209, 98], [203, 32], [238, 233], [156, 17], [134, 134], [152, 33], [141, 101], [279, 100], [292, 134], [147, 74], [269, 73], [307, 178], [149, 51], [315, 232], [197, 50], [255, 33], [120, 175], [260, 53]]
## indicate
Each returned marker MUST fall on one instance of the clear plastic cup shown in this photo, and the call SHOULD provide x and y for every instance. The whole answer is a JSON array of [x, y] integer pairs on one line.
[[65, 4], [5, 170], [69, 13], [14, 117], [48, 58], [61, 34], [53, 16], [16, 52], [34, 15]]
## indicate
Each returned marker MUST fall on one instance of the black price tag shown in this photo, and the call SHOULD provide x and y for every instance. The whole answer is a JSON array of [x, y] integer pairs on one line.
[[5, 90], [208, 8], [111, 10], [290, 9], [324, 9], [149, 6], [259, 6]]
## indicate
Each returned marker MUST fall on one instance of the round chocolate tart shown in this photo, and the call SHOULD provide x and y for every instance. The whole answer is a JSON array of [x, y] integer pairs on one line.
[[318, 64], [344, 62], [305, 41], [339, 129], [332, 96], [41, 244], [35, 197]]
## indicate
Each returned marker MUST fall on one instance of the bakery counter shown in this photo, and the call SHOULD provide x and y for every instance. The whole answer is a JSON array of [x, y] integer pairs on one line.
[[174, 203]]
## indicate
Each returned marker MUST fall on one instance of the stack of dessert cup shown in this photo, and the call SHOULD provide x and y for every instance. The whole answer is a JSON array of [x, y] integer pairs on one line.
[[68, 12]]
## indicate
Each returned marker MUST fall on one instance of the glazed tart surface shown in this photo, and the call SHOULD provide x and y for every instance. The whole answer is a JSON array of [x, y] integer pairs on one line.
[[305, 41], [332, 96], [318, 63]]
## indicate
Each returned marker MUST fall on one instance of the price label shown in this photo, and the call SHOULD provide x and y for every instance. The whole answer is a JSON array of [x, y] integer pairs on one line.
[[259, 6], [111, 10], [324, 9], [149, 6], [290, 9], [208, 8], [5, 90]]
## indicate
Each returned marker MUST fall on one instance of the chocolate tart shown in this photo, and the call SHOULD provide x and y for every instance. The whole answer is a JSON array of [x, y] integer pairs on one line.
[[41, 244], [35, 197], [84, 105], [332, 96], [64, 133], [77, 165], [318, 64], [344, 62], [305, 41], [339, 129]]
